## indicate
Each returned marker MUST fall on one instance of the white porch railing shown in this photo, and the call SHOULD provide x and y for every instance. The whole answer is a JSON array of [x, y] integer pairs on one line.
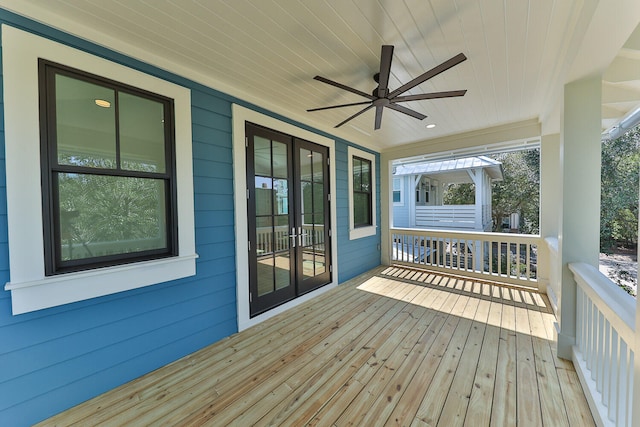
[[603, 354], [509, 258]]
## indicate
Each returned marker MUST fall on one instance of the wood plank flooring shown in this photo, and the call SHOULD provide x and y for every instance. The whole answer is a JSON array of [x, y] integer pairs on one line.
[[394, 346]]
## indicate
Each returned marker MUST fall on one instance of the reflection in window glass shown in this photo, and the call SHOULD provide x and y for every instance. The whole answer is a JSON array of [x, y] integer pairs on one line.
[[85, 131], [109, 215], [361, 192], [141, 134]]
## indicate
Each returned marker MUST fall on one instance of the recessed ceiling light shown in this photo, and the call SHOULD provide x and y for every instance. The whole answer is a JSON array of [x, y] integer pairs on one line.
[[431, 126], [102, 103]]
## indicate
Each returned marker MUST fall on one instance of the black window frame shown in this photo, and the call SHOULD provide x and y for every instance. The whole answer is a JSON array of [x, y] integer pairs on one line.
[[47, 71], [360, 190]]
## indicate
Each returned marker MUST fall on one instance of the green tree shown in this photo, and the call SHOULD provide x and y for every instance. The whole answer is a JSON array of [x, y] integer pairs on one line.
[[519, 191], [460, 194], [619, 191]]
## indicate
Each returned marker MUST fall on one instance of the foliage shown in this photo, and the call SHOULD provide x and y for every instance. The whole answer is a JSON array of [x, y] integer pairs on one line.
[[460, 194], [519, 191], [619, 191]]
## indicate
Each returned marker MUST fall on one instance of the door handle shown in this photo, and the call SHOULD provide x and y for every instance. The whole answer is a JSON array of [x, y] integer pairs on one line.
[[293, 236]]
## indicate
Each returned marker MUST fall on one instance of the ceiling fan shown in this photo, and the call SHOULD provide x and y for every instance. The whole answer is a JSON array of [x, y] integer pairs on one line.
[[381, 97]]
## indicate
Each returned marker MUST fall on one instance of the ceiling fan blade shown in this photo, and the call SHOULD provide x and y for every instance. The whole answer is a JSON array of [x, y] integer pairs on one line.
[[379, 109], [339, 106], [354, 116], [432, 95], [407, 111], [341, 86], [429, 74], [385, 69]]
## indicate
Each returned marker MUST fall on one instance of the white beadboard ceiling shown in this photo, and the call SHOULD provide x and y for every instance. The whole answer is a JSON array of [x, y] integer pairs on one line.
[[520, 53]]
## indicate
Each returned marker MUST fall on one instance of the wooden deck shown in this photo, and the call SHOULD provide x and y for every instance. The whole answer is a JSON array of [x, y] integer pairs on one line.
[[391, 347]]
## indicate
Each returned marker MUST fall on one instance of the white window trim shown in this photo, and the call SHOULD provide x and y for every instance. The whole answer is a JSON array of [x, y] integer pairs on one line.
[[360, 232], [393, 190], [30, 289], [241, 115]]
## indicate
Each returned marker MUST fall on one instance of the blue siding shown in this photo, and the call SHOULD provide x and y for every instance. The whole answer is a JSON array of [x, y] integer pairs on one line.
[[53, 359], [359, 255]]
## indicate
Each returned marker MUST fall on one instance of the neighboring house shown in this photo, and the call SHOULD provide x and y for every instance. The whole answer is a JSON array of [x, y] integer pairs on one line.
[[418, 193]]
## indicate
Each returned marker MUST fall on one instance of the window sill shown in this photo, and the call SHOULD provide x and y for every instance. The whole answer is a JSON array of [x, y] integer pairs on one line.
[[360, 232], [62, 289]]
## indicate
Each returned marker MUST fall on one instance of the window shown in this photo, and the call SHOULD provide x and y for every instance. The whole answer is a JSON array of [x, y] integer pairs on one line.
[[171, 256], [362, 193], [398, 196], [108, 171]]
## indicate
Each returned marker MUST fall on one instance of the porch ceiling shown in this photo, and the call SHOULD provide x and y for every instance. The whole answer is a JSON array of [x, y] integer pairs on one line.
[[267, 52]]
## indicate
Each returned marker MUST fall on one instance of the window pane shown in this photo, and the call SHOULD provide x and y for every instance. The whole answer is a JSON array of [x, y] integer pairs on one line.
[[86, 131], [361, 209], [396, 184], [396, 196], [357, 171], [108, 215], [142, 135], [366, 175]]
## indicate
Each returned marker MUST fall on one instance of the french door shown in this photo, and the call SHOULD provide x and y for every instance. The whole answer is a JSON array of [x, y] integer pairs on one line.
[[288, 217]]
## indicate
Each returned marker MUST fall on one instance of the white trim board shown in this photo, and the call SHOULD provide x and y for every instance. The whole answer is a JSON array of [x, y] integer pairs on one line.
[[240, 116]]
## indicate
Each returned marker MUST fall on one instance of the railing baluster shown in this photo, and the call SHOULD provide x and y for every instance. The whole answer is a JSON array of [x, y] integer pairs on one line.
[[613, 382], [606, 362], [620, 416], [599, 352]]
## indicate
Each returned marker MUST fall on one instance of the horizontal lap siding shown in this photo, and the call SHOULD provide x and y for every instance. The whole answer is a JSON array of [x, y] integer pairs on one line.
[[53, 359], [359, 255]]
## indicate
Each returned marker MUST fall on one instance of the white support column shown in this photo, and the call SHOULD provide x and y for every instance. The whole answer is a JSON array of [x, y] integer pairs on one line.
[[579, 225], [550, 213]]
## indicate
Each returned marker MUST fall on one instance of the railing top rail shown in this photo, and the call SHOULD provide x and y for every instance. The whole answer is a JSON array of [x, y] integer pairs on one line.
[[482, 235], [618, 307]]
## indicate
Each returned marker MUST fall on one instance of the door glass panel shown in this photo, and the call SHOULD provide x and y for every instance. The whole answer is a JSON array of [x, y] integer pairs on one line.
[[264, 235], [318, 170], [307, 263], [312, 211], [320, 265], [318, 202], [262, 156], [264, 195], [281, 196], [265, 274], [280, 164], [283, 266]]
